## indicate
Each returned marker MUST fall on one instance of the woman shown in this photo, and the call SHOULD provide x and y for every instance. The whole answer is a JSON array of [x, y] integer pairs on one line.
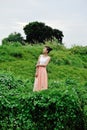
[[41, 82]]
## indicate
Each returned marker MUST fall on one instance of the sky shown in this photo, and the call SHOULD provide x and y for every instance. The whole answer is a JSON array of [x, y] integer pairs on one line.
[[69, 16]]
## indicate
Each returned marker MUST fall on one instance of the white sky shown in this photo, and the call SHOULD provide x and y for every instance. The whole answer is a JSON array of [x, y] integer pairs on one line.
[[70, 16]]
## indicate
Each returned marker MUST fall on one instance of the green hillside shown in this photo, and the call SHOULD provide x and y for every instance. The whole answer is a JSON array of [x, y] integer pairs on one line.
[[65, 63], [67, 75]]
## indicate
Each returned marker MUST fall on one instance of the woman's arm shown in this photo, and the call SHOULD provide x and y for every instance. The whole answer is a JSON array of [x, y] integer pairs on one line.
[[38, 61], [36, 74]]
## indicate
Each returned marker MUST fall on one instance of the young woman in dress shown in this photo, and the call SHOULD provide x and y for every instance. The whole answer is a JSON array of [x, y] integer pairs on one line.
[[41, 79]]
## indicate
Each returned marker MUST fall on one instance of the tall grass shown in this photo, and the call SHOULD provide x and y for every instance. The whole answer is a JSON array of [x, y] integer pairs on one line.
[[67, 80]]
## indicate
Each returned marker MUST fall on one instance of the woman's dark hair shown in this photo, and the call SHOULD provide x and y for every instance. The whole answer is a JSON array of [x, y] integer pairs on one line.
[[48, 48]]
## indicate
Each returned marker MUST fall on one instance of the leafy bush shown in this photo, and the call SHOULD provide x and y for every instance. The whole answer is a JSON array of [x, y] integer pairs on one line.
[[16, 54], [10, 52], [13, 37], [79, 50], [62, 107], [58, 109], [8, 81], [16, 44]]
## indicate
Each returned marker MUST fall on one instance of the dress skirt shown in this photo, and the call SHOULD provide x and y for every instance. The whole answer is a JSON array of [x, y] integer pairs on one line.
[[40, 82]]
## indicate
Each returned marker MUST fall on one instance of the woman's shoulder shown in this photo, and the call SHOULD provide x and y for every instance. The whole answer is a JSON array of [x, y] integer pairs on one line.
[[49, 57], [40, 55]]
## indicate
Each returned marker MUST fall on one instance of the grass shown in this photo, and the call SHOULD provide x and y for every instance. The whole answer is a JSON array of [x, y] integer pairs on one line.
[[21, 60], [67, 72]]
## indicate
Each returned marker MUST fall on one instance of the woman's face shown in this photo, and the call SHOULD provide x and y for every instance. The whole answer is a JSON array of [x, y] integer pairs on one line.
[[45, 50]]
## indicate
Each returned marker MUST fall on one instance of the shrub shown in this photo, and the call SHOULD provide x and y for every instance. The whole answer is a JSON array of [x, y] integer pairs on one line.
[[13, 37], [79, 50], [8, 81], [55, 110], [16, 54]]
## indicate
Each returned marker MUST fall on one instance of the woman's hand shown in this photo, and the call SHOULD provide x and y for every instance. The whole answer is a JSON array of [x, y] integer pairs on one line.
[[37, 65], [41, 65]]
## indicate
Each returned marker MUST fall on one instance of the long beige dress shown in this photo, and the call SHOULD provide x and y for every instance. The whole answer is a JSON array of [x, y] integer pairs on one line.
[[41, 81]]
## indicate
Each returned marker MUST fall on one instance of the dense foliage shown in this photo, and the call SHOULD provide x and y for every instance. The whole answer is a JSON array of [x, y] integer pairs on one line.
[[62, 107], [13, 37], [59, 108], [38, 32]]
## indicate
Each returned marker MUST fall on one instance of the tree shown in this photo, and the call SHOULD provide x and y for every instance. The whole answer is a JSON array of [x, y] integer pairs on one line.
[[13, 37], [58, 35], [38, 32]]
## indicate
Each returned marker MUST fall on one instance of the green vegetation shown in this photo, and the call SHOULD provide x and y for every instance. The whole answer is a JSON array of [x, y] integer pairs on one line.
[[13, 37], [38, 32], [62, 107]]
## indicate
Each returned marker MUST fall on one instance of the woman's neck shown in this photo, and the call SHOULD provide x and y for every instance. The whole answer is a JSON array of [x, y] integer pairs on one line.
[[45, 54]]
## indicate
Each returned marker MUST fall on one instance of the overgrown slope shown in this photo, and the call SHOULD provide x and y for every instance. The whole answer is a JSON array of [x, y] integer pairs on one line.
[[62, 107], [65, 63]]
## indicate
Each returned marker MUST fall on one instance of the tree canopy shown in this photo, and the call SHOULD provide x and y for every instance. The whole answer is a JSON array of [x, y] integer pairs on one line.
[[13, 37], [36, 32], [39, 32]]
